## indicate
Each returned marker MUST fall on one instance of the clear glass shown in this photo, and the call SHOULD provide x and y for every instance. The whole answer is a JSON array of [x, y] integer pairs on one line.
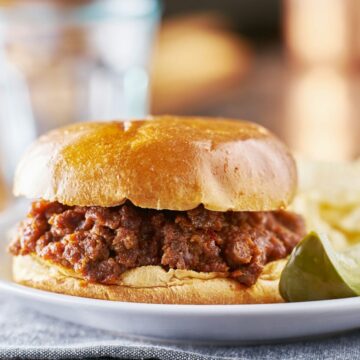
[[82, 60]]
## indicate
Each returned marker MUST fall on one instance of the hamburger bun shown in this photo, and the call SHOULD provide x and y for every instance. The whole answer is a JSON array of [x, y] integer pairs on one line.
[[153, 284], [169, 162], [164, 162]]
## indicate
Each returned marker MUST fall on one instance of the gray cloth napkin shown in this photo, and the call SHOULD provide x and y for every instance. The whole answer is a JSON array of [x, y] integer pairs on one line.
[[27, 334]]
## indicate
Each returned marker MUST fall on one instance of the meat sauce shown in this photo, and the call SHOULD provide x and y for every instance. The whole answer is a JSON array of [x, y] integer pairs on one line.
[[101, 243]]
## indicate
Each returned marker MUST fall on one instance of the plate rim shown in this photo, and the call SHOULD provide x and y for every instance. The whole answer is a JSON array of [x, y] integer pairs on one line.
[[342, 305]]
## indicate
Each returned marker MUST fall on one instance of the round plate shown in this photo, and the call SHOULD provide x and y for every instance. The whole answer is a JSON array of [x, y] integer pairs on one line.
[[190, 323]]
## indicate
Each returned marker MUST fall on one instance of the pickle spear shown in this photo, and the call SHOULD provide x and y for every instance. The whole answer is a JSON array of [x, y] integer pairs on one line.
[[315, 271]]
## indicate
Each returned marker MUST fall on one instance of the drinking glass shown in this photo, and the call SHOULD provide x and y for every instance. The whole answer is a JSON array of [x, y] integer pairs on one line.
[[68, 61]]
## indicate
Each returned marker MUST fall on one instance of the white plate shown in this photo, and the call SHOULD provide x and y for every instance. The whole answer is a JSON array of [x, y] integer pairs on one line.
[[191, 323]]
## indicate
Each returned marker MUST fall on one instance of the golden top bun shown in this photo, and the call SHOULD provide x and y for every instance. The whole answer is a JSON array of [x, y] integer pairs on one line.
[[153, 284], [165, 162]]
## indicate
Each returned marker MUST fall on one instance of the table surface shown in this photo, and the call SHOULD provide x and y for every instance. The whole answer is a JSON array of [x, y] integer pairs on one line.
[[28, 334]]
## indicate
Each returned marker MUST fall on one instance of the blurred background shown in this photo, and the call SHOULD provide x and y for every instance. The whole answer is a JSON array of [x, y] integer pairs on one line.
[[291, 65]]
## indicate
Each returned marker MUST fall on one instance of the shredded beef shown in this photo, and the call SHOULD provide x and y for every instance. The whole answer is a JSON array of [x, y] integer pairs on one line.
[[101, 243]]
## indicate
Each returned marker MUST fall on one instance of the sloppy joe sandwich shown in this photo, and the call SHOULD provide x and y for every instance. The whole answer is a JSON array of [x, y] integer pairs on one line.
[[180, 210]]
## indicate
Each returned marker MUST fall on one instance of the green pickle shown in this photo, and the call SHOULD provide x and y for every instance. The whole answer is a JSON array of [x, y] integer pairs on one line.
[[315, 271]]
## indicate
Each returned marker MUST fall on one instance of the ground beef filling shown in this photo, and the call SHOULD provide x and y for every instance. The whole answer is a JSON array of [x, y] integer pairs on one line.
[[101, 243]]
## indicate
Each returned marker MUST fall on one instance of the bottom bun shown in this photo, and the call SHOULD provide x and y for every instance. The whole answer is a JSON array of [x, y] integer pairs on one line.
[[153, 284]]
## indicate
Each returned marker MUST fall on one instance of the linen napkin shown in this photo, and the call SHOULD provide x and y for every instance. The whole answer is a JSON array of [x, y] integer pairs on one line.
[[27, 334]]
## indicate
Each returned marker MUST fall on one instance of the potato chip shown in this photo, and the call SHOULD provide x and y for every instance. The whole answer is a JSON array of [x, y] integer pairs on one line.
[[329, 199]]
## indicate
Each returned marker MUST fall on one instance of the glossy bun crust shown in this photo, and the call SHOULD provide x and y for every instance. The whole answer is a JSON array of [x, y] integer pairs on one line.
[[164, 162], [153, 284]]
